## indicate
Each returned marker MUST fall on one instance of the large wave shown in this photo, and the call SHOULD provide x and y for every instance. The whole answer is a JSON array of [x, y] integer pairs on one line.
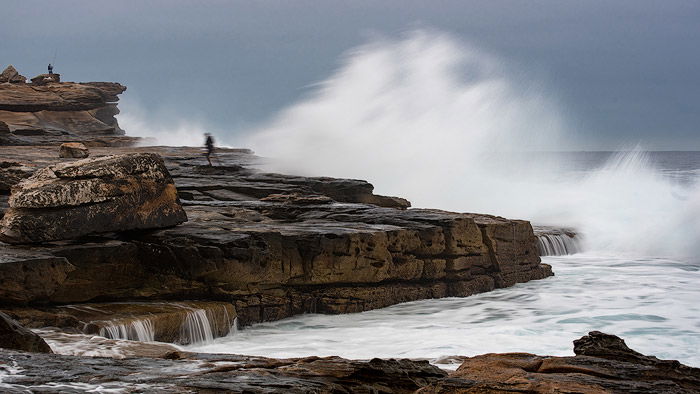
[[447, 126]]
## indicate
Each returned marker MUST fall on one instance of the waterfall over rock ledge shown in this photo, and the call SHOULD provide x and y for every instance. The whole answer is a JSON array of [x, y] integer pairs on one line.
[[176, 322], [552, 241]]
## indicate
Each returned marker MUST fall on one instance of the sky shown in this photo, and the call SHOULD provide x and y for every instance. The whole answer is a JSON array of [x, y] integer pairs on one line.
[[621, 72]]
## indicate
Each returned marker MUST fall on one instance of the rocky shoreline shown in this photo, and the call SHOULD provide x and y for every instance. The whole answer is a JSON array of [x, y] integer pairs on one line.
[[272, 245], [153, 244]]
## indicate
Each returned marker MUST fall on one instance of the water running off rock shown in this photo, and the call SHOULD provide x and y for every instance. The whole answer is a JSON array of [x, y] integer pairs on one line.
[[182, 322], [553, 241]]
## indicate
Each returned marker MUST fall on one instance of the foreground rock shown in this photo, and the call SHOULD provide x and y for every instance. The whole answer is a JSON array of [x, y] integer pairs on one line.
[[112, 193], [208, 373], [14, 336], [603, 364]]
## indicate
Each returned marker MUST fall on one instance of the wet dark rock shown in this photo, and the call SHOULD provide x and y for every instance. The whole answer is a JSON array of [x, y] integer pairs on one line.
[[202, 373], [614, 369], [30, 275], [14, 336]]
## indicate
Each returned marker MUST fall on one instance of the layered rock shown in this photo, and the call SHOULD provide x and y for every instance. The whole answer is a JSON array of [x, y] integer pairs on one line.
[[48, 111], [276, 245], [112, 193]]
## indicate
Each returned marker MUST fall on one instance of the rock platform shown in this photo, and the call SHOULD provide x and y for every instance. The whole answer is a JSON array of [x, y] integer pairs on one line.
[[272, 245]]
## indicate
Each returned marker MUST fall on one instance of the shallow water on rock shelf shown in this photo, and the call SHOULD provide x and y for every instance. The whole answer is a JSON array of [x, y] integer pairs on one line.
[[652, 303]]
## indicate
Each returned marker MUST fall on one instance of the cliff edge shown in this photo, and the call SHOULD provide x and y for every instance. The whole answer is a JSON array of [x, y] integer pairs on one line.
[[47, 112]]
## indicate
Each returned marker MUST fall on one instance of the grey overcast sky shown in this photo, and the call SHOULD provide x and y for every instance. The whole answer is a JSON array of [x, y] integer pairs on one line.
[[624, 71]]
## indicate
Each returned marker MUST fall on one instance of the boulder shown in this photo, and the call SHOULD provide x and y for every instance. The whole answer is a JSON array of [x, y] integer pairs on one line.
[[43, 79], [74, 150], [14, 336], [105, 194], [11, 75]]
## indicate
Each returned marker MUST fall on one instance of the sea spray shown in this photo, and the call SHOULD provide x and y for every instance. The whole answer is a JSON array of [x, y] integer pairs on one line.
[[446, 126], [177, 132]]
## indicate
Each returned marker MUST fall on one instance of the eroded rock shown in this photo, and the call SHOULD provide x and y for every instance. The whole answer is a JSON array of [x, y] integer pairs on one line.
[[11, 75], [43, 113], [112, 193]]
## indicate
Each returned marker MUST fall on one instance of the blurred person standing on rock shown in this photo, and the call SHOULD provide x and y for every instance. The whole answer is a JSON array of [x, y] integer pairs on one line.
[[209, 144]]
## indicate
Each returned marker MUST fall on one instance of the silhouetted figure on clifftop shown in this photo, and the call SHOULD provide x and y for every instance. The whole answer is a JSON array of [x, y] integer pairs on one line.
[[50, 69], [209, 144]]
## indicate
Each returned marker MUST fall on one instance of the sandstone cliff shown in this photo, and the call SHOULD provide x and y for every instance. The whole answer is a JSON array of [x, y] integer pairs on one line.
[[49, 113]]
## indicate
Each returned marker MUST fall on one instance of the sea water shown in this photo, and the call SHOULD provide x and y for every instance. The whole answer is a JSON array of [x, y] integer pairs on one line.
[[651, 301]]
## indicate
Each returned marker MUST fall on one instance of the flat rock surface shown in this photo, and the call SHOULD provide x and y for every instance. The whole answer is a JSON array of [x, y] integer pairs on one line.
[[213, 373]]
